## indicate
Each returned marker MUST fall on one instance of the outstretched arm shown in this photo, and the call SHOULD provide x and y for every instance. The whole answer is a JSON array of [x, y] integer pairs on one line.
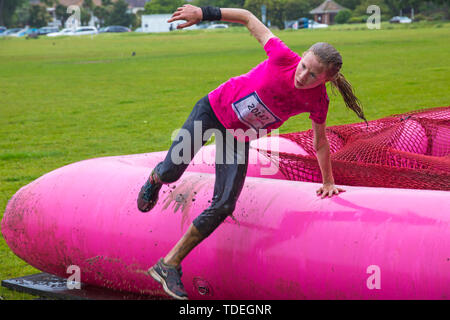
[[322, 148], [193, 15]]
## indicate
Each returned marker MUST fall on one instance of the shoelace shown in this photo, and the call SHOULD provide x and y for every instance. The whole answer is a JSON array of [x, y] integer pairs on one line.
[[178, 272], [147, 189]]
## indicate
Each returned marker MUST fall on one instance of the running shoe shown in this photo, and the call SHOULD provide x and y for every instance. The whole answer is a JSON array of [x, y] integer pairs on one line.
[[170, 278], [148, 196]]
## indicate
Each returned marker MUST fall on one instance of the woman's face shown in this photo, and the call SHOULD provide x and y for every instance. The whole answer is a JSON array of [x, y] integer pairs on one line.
[[310, 72]]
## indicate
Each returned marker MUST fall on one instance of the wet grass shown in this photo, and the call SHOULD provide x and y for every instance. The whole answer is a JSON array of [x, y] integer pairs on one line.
[[17, 156], [67, 99]]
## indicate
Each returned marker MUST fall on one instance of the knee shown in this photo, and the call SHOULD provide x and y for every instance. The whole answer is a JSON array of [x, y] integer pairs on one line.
[[212, 217], [223, 210]]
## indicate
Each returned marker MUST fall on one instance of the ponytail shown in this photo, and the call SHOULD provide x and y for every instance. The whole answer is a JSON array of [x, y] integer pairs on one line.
[[347, 93], [332, 59]]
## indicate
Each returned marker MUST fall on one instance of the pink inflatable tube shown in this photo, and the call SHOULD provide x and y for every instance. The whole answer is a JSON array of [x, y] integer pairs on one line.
[[204, 161], [283, 243]]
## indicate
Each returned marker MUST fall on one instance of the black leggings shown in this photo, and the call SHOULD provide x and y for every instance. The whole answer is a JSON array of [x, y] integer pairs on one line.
[[231, 165]]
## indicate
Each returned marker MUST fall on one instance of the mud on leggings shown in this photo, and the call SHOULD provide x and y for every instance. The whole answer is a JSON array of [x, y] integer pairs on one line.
[[231, 163]]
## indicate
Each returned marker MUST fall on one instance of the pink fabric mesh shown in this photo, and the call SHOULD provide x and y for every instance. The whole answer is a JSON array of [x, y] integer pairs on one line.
[[410, 150]]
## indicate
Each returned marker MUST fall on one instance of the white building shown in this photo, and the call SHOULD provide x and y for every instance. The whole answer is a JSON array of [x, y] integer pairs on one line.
[[158, 23]]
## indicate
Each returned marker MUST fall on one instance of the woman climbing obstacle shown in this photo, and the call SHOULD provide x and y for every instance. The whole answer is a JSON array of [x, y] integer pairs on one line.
[[282, 86]]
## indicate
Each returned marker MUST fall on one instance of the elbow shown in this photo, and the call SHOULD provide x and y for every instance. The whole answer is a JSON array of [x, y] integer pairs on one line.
[[248, 16]]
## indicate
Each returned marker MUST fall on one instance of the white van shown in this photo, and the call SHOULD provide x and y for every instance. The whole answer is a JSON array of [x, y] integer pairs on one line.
[[84, 30], [63, 32]]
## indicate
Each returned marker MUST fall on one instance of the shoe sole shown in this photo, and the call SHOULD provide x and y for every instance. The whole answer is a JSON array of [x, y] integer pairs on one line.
[[161, 280], [148, 206], [146, 209]]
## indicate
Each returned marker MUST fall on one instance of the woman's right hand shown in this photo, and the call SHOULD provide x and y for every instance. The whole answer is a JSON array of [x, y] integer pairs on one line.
[[190, 13]]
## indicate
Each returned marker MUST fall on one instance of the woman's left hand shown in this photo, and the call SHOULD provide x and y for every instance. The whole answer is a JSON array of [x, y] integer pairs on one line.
[[328, 189], [190, 13]]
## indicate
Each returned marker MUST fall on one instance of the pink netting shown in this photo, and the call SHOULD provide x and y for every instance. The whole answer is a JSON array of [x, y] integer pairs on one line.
[[410, 150]]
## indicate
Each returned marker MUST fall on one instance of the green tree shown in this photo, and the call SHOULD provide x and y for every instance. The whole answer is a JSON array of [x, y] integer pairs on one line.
[[254, 6], [21, 15], [220, 3], [88, 4], [435, 10], [349, 4], [275, 10], [120, 16], [61, 13], [277, 13], [49, 3], [280, 10], [393, 5], [343, 16], [162, 6], [138, 21], [85, 16], [102, 12], [7, 10], [361, 9], [295, 9], [315, 3], [38, 16]]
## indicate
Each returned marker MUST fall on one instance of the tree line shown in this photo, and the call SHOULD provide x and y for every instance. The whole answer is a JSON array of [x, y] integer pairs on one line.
[[114, 12], [19, 13], [279, 11]]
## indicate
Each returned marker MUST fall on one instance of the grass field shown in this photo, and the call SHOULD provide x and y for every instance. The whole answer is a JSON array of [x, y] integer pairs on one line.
[[67, 99]]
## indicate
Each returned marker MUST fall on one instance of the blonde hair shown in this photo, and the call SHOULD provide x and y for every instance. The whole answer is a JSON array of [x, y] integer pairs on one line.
[[332, 60]]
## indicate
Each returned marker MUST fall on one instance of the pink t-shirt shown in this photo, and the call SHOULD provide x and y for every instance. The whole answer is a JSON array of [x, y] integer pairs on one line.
[[265, 97]]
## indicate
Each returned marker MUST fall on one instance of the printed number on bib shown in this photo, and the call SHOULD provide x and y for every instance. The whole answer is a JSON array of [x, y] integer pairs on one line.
[[253, 112]]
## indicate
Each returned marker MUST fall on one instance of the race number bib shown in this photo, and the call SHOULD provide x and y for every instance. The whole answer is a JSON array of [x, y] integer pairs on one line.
[[251, 111]]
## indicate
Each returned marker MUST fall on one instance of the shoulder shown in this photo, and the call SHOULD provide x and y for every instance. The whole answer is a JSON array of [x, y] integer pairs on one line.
[[279, 53]]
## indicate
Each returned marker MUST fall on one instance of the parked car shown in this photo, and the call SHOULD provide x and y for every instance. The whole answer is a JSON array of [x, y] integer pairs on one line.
[[398, 19], [303, 23], [2, 29], [10, 32], [218, 26], [47, 30], [139, 30], [316, 25], [115, 29], [25, 32], [63, 32], [80, 31]]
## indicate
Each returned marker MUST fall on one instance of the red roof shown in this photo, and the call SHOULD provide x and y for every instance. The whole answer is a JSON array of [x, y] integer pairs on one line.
[[329, 6]]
